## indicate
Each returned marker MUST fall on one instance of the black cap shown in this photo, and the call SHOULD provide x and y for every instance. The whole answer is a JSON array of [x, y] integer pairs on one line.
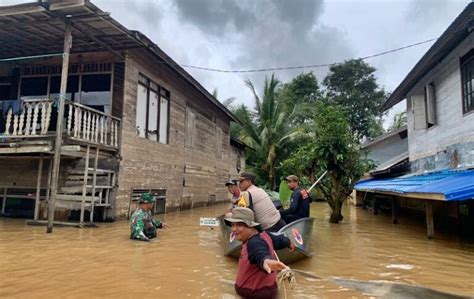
[[231, 182]]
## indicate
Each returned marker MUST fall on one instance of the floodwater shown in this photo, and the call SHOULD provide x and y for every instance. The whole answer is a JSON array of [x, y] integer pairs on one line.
[[186, 261]]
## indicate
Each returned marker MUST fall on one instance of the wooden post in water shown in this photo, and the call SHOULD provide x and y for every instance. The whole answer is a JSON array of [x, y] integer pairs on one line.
[[429, 218], [94, 183], [395, 206], [84, 186], [38, 187], [59, 125]]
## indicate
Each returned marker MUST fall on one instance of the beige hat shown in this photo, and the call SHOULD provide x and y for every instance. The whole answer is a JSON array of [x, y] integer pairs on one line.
[[244, 215], [292, 178]]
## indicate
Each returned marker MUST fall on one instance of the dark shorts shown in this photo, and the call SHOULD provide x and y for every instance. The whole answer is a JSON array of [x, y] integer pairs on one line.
[[263, 293], [277, 226]]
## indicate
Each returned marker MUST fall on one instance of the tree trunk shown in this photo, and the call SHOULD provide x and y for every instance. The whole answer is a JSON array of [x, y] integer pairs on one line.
[[335, 202], [336, 215], [271, 179]]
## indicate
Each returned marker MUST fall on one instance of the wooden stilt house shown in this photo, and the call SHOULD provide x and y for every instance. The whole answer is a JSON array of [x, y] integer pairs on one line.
[[93, 114]]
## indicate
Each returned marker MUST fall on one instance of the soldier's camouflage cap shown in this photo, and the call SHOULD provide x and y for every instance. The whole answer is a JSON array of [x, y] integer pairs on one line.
[[147, 198]]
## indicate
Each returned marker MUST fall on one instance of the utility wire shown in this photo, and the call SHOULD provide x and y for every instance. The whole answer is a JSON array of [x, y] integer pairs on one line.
[[302, 66]]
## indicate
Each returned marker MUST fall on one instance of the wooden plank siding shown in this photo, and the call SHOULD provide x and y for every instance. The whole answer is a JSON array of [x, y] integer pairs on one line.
[[193, 166]]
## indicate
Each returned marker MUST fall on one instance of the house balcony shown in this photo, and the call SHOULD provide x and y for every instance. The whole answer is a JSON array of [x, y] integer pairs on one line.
[[31, 127]]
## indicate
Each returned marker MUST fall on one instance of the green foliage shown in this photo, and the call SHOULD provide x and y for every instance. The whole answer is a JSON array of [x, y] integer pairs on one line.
[[285, 192], [295, 128], [334, 148], [399, 121], [267, 131], [302, 92], [353, 86]]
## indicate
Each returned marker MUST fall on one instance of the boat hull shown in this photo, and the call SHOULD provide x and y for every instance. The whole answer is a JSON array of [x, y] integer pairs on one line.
[[299, 232]]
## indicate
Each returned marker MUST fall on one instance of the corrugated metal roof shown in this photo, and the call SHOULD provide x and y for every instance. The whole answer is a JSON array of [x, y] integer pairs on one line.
[[453, 184]]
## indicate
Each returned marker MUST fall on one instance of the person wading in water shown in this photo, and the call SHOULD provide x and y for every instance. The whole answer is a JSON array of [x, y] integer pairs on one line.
[[257, 271], [142, 225]]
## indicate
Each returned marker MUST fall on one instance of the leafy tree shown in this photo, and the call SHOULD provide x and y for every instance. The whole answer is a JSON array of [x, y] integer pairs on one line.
[[302, 92], [336, 149], [267, 130], [353, 86]]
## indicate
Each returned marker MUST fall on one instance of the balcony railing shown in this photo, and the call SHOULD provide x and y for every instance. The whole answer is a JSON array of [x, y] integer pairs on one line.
[[81, 123]]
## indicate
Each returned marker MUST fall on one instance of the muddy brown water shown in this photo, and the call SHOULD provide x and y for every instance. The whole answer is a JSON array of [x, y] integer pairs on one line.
[[186, 261]]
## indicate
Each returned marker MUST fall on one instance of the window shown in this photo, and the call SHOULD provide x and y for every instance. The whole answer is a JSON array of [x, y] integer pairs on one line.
[[152, 117], [96, 91], [72, 90], [164, 115], [5, 88], [430, 103], [34, 86], [90, 89], [4, 92], [142, 94], [424, 107], [467, 81]]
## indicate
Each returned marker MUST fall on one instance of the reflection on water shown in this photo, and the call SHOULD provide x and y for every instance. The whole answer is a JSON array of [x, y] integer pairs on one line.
[[186, 261]]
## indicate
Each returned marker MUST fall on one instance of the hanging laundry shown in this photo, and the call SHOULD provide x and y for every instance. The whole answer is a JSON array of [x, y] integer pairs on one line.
[[15, 105]]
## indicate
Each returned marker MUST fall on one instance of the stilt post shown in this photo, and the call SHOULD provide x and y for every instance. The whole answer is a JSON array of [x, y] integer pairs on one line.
[[429, 219], [38, 187], [59, 125], [84, 185], [94, 179], [395, 207]]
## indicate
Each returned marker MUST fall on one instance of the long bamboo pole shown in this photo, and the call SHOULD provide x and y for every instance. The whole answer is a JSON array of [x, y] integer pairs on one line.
[[59, 125], [315, 183]]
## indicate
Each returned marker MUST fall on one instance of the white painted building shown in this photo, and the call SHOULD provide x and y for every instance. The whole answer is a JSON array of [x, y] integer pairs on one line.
[[440, 100]]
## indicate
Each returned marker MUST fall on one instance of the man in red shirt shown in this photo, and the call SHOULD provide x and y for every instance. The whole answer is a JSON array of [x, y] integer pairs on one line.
[[257, 271]]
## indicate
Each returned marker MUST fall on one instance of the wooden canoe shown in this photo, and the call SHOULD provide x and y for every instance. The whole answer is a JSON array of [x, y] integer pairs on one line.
[[299, 232]]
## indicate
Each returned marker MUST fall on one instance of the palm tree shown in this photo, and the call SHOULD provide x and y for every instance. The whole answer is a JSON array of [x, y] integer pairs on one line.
[[268, 129], [399, 121], [228, 103]]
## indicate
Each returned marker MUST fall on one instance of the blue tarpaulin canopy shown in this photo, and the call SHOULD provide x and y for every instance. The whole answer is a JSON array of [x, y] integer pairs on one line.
[[448, 184]]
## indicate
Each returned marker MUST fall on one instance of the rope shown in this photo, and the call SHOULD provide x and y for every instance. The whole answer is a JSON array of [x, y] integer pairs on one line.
[[286, 274]]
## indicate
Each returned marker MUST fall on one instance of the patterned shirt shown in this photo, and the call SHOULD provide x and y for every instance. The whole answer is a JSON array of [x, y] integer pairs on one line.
[[140, 222]]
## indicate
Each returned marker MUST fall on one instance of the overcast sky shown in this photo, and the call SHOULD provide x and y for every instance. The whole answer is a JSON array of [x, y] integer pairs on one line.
[[253, 34]]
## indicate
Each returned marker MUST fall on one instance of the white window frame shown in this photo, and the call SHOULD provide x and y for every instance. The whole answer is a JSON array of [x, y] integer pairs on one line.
[[156, 128]]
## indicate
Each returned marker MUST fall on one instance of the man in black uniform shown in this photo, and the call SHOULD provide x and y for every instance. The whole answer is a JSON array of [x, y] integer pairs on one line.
[[299, 202]]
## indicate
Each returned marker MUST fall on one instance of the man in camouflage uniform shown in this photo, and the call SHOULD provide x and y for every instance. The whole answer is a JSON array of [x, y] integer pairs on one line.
[[142, 225]]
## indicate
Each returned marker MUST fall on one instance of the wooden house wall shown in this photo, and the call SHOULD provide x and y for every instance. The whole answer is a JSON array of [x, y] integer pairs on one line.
[[193, 173]]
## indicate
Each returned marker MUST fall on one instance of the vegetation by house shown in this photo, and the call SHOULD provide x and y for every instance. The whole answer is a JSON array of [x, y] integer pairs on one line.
[[300, 128]]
